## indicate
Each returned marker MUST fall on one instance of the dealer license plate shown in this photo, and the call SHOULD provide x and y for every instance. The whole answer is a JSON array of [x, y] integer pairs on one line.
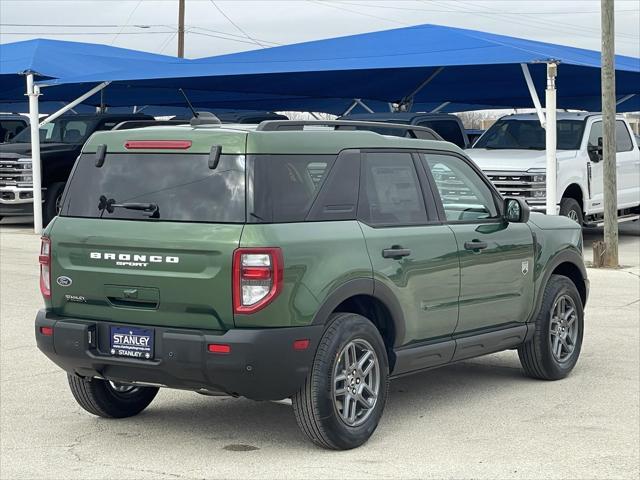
[[132, 342]]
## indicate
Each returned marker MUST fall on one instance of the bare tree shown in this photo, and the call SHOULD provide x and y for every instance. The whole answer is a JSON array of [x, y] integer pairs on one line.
[[308, 115]]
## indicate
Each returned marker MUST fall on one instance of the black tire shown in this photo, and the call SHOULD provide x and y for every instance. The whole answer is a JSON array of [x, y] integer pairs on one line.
[[570, 207], [100, 398], [536, 355], [52, 200], [313, 405]]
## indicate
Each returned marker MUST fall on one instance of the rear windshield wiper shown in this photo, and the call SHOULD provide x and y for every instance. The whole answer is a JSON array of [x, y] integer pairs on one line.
[[109, 204]]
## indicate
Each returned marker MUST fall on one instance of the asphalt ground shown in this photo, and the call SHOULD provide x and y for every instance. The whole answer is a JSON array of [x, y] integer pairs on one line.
[[476, 419]]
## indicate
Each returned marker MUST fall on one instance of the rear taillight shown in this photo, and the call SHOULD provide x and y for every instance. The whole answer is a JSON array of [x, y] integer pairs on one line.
[[257, 278], [45, 267]]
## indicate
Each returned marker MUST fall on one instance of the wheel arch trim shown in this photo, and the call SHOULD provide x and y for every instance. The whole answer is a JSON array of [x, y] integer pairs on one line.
[[566, 256], [364, 286]]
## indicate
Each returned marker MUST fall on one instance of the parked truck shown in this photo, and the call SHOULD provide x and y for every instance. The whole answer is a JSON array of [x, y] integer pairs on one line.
[[60, 143], [512, 154]]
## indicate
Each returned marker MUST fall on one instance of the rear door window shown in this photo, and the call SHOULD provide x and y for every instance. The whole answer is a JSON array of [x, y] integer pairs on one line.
[[182, 187], [390, 192]]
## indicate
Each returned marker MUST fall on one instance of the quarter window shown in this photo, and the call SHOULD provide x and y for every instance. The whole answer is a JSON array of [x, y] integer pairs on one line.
[[464, 194], [390, 192]]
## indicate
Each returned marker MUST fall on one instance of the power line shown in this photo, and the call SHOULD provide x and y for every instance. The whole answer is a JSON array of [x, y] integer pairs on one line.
[[231, 34], [127, 22], [236, 25], [429, 10]]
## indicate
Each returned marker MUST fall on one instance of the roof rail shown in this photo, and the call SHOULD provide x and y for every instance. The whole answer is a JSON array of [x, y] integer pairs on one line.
[[414, 131]]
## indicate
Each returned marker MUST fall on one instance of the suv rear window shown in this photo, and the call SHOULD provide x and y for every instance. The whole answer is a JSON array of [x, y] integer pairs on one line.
[[182, 186]]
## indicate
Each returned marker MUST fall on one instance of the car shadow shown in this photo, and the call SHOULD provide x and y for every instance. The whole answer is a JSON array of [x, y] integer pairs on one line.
[[242, 424]]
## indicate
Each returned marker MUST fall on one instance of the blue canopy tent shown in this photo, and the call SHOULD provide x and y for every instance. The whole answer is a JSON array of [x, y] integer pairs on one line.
[[425, 64]]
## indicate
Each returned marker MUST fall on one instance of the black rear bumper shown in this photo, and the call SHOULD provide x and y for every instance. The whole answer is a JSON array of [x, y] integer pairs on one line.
[[262, 363]]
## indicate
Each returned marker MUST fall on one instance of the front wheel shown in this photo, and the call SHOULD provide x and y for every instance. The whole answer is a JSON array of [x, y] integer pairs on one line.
[[555, 347], [52, 202], [342, 400], [110, 399], [570, 207]]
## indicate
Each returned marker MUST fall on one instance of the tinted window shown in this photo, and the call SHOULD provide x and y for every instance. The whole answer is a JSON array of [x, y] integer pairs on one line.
[[529, 135], [623, 139], [285, 186], [62, 130], [10, 128], [390, 192], [449, 130], [464, 194], [182, 186]]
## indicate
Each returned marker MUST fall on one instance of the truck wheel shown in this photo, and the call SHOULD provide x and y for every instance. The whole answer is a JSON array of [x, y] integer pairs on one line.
[[108, 399], [555, 347], [52, 200], [570, 207], [342, 400]]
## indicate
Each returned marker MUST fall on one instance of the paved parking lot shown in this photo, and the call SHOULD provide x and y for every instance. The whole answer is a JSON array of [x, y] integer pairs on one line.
[[480, 418]]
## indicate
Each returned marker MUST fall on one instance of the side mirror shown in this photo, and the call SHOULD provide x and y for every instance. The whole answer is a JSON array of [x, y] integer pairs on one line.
[[516, 210], [595, 151]]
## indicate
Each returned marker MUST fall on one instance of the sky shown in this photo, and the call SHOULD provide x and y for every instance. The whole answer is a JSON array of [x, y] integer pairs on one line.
[[217, 27]]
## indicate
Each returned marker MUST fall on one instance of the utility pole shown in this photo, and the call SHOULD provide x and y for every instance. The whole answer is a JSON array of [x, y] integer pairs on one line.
[[610, 190], [181, 28]]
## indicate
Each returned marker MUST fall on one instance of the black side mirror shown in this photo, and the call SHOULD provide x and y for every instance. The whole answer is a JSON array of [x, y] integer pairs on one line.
[[595, 151], [516, 210]]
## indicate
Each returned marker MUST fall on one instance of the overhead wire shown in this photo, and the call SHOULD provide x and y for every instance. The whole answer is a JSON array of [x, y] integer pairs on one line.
[[238, 27]]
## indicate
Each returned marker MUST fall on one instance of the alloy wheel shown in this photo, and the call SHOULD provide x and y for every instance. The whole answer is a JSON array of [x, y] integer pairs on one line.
[[356, 382], [563, 328]]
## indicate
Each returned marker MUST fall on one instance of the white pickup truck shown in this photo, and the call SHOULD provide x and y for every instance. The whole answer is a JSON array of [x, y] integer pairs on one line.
[[512, 155]]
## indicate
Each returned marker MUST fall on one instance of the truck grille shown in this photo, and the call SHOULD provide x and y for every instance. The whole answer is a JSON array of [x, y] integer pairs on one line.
[[530, 186], [15, 173]]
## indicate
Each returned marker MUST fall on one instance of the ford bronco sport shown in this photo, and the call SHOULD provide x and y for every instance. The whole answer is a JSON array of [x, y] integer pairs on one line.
[[311, 263]]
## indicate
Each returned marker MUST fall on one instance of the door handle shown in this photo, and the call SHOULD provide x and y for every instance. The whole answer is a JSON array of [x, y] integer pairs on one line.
[[396, 252], [475, 245]]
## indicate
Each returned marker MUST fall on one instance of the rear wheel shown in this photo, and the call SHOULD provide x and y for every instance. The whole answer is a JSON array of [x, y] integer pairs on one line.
[[342, 400], [555, 347], [110, 399], [569, 207]]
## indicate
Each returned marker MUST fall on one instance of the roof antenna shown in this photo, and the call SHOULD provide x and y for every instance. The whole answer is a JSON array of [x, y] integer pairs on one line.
[[193, 110]]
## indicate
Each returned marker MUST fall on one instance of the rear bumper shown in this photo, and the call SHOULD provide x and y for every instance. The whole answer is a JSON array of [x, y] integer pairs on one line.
[[262, 364]]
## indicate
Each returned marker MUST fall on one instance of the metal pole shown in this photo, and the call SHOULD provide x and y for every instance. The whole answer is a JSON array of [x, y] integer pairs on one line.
[[608, 80], [77, 101], [181, 28], [33, 92], [550, 136], [534, 94]]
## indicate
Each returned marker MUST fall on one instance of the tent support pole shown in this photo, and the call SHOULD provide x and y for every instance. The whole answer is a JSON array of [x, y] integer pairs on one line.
[[354, 104], [33, 92], [550, 138], [625, 98], [440, 107], [314, 115], [405, 104], [77, 101], [533, 93], [363, 105]]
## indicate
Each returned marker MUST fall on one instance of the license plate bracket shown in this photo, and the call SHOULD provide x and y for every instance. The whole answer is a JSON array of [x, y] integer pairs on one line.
[[131, 342]]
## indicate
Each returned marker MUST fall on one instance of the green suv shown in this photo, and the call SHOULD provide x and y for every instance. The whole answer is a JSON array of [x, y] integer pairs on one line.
[[296, 260]]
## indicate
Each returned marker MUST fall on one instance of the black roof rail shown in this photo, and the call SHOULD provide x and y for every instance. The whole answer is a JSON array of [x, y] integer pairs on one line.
[[414, 131]]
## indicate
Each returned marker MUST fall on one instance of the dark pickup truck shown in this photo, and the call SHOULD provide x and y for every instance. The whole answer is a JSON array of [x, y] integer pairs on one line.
[[60, 143], [448, 126]]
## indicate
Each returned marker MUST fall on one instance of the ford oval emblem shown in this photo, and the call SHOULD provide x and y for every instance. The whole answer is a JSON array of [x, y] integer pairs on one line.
[[64, 281]]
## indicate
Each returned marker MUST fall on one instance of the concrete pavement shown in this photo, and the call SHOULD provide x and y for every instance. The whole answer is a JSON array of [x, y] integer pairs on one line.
[[475, 419]]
